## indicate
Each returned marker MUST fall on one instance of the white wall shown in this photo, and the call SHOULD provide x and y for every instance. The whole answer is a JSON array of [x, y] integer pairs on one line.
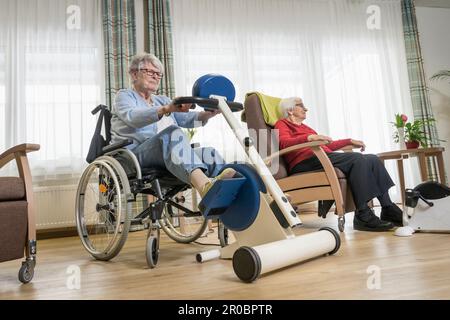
[[434, 33]]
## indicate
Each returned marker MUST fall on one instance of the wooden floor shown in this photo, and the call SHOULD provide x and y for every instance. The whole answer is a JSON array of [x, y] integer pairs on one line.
[[410, 268]]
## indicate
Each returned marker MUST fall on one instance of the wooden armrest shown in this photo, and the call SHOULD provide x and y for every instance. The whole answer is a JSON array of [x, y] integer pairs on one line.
[[11, 153], [19, 153], [328, 168], [313, 144]]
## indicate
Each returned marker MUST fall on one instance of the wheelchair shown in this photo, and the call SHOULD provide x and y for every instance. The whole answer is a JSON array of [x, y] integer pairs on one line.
[[109, 186]]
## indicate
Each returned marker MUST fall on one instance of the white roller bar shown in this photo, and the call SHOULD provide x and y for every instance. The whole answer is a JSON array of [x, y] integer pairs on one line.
[[208, 255], [250, 262]]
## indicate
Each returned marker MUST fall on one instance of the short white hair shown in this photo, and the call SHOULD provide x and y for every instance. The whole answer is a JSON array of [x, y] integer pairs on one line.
[[138, 61], [287, 105]]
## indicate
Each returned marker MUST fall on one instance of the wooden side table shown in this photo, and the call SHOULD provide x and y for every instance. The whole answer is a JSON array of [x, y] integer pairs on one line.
[[422, 154]]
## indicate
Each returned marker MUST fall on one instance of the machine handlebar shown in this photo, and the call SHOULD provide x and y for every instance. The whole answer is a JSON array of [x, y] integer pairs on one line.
[[207, 104]]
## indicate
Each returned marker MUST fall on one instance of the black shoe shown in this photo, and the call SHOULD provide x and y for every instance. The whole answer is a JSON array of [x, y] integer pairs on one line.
[[392, 214], [366, 220]]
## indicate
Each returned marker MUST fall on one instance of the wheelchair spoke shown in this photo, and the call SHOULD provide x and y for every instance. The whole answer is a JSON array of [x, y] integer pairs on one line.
[[181, 224]]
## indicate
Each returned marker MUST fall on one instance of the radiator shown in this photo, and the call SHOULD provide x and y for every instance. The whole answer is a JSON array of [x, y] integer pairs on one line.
[[55, 206]]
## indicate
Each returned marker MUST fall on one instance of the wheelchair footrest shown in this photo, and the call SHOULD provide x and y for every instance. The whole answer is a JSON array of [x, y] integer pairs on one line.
[[220, 197]]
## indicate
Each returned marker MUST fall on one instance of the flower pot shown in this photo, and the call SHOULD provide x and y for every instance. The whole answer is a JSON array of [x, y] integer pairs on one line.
[[412, 144]]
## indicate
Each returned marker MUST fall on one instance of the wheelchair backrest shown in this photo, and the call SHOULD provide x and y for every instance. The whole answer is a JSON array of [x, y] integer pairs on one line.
[[98, 141]]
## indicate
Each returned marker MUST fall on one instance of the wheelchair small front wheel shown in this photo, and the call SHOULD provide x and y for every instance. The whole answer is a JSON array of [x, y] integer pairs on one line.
[[102, 210], [152, 251]]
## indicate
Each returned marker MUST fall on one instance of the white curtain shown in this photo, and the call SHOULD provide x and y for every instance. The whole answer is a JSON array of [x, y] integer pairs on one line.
[[347, 65], [51, 77]]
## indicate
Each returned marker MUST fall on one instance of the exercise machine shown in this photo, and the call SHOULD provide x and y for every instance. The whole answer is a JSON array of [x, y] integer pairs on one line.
[[427, 208], [252, 205]]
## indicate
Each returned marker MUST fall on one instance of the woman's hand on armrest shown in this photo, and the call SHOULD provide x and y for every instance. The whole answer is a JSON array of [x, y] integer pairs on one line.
[[312, 144], [319, 137], [358, 144]]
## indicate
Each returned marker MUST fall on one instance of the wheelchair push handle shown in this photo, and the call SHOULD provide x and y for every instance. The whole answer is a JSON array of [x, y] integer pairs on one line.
[[207, 103], [99, 107]]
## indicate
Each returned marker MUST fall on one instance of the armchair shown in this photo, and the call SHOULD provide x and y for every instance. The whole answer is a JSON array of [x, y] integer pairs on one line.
[[17, 212], [326, 186]]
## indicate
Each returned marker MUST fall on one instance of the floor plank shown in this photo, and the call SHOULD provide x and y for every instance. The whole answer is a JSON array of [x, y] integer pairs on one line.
[[409, 268]]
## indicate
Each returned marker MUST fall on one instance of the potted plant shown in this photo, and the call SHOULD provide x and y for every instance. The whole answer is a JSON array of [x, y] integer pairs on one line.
[[414, 134], [410, 135]]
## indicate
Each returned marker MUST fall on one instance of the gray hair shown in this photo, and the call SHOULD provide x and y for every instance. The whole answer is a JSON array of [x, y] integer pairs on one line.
[[287, 105], [138, 60]]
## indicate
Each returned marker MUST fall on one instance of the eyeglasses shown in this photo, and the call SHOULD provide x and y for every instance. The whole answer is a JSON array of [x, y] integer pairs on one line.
[[152, 73]]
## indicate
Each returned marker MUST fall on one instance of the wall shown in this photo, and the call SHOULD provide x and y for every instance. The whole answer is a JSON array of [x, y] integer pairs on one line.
[[434, 33]]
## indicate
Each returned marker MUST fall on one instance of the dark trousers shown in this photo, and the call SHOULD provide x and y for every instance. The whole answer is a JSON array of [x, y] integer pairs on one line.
[[365, 174]]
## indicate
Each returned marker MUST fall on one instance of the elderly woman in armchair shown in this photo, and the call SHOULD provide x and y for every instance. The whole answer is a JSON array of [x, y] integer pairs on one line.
[[366, 174]]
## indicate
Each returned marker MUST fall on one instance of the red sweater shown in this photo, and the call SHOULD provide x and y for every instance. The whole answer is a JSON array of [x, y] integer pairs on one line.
[[292, 134]]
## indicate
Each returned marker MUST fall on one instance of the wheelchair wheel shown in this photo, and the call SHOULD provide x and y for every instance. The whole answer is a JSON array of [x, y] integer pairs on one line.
[[152, 245], [180, 227], [152, 251], [103, 213]]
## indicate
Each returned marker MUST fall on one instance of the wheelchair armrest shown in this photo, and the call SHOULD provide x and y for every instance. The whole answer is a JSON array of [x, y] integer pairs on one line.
[[117, 145], [195, 145]]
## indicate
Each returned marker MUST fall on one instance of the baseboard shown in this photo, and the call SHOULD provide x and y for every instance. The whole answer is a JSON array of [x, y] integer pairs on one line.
[[56, 233], [72, 232]]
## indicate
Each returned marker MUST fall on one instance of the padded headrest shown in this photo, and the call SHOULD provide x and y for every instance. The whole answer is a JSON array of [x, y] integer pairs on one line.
[[269, 107]]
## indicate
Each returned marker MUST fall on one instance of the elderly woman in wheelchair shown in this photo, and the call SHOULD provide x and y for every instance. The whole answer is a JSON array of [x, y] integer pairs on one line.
[[151, 155], [153, 122], [366, 174]]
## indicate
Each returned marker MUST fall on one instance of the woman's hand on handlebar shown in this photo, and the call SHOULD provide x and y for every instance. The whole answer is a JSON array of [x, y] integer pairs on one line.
[[206, 115], [179, 107], [171, 107]]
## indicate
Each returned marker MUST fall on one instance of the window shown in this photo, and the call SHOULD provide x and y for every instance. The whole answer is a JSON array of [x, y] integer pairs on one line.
[[58, 104], [54, 78]]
